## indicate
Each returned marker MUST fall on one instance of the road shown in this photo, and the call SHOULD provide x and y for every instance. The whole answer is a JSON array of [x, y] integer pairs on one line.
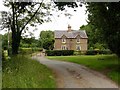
[[71, 75]]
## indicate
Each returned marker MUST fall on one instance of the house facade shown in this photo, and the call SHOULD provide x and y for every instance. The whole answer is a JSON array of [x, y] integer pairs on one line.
[[70, 40]]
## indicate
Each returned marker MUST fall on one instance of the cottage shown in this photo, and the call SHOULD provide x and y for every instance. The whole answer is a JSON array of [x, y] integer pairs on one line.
[[70, 40]]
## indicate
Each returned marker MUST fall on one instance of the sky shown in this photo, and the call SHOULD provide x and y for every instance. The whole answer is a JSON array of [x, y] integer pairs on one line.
[[77, 19]]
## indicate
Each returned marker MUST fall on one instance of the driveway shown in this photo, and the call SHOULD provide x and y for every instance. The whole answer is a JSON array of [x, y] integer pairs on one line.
[[71, 75]]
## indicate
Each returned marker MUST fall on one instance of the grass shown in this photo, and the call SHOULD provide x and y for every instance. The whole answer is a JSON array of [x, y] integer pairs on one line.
[[22, 72], [106, 64]]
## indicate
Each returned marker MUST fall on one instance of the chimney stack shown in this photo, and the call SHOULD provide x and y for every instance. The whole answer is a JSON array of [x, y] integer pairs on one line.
[[69, 28]]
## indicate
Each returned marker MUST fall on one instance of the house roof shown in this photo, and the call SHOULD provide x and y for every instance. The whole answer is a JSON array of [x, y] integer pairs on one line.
[[71, 34]]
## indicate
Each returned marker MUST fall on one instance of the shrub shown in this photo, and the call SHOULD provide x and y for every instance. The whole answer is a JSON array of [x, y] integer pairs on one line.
[[77, 53], [29, 50], [37, 49], [91, 52], [25, 50], [95, 52], [59, 52]]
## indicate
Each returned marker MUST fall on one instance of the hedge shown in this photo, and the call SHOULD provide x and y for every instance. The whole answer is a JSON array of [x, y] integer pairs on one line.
[[95, 52], [59, 52], [29, 50]]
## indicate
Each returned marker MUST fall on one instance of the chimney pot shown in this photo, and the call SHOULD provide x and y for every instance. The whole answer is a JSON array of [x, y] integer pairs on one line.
[[69, 28]]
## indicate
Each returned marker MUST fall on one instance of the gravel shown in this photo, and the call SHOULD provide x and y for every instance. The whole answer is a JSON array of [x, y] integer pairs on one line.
[[71, 75]]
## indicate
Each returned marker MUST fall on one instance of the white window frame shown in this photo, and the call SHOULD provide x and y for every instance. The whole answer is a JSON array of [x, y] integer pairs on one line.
[[78, 40], [77, 47], [63, 47], [63, 40]]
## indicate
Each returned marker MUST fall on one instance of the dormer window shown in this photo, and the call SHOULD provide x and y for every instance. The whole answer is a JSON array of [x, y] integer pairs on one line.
[[78, 40], [63, 40]]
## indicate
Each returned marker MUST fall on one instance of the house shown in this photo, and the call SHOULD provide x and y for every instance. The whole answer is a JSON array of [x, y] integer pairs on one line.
[[70, 40]]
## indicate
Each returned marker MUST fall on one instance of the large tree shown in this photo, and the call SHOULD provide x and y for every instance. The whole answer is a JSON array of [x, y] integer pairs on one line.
[[106, 18], [22, 14], [95, 39], [47, 39]]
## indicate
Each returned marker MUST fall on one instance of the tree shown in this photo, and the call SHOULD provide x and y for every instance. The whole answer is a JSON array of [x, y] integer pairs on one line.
[[94, 37], [22, 14], [105, 17], [29, 42], [47, 39], [48, 44]]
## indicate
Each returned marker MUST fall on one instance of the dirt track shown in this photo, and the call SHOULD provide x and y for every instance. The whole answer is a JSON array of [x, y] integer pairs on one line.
[[71, 75]]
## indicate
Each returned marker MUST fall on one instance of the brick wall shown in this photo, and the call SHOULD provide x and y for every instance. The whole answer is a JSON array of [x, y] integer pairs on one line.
[[71, 44]]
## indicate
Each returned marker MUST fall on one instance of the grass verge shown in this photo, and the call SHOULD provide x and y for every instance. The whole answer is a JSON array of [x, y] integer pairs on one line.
[[106, 64], [22, 72]]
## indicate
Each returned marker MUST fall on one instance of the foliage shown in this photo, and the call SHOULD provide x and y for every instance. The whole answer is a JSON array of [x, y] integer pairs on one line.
[[105, 17], [46, 34], [26, 51], [78, 53], [23, 72], [106, 64], [47, 39], [48, 44], [95, 39], [59, 52], [29, 42], [22, 14], [5, 40], [62, 3]]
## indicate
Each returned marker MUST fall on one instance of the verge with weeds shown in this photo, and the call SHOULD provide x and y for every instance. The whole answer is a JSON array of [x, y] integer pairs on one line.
[[23, 72]]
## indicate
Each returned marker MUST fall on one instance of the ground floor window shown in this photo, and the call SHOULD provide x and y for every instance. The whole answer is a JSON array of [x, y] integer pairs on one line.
[[63, 47], [78, 47]]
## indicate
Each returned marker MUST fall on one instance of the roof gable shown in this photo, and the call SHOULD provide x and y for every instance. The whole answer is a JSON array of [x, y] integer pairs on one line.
[[78, 36], [63, 36]]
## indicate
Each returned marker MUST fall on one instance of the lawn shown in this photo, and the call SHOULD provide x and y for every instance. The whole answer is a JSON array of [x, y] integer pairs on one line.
[[23, 72], [106, 64]]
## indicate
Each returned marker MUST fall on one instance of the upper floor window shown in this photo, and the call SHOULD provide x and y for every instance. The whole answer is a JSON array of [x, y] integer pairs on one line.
[[78, 40], [63, 40]]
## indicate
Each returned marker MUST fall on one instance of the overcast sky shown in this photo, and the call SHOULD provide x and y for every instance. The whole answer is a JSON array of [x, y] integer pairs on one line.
[[60, 23]]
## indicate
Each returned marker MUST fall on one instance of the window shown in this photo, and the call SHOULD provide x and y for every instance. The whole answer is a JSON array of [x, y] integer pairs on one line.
[[78, 40], [78, 47], [63, 47], [63, 40]]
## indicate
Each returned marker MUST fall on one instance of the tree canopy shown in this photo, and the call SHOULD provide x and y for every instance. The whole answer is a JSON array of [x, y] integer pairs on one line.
[[105, 17], [95, 39], [23, 13], [47, 39]]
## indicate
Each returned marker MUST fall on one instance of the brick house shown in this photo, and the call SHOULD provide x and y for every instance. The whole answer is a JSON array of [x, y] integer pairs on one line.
[[70, 40]]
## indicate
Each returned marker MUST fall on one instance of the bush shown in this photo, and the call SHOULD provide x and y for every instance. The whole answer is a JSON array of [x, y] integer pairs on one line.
[[37, 49], [25, 50], [95, 52], [77, 53], [59, 52]]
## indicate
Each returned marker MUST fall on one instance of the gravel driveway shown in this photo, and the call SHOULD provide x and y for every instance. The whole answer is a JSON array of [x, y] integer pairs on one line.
[[71, 75]]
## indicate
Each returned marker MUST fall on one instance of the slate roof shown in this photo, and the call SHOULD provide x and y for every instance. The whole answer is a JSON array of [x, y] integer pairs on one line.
[[71, 34]]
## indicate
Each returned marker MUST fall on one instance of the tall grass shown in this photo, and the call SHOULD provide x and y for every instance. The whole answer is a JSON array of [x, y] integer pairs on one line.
[[23, 72]]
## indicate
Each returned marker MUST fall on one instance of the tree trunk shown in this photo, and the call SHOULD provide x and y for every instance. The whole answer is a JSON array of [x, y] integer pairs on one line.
[[15, 43], [16, 35]]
